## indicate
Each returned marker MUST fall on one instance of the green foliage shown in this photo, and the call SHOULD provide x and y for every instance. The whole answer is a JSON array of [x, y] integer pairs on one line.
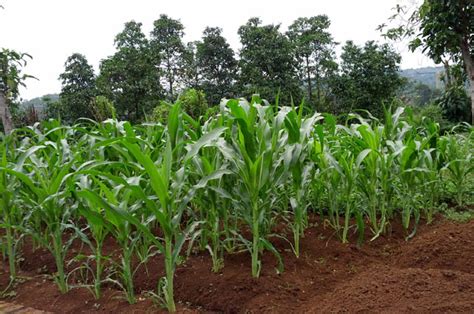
[[443, 27], [432, 112], [369, 79], [238, 181], [102, 108], [217, 65], [11, 78], [160, 113], [418, 94], [78, 88], [54, 109], [169, 50], [461, 216], [193, 102], [191, 77], [211, 112], [314, 51], [267, 64], [443, 30], [455, 104], [24, 116], [128, 78]]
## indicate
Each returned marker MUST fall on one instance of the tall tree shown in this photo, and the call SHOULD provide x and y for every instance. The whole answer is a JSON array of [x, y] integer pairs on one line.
[[216, 65], [78, 87], [129, 77], [314, 50], [267, 64], [444, 29], [11, 64], [447, 28], [369, 79], [191, 77], [167, 44]]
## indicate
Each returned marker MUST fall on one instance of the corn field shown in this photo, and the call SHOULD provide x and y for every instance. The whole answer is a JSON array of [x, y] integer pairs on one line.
[[220, 186]]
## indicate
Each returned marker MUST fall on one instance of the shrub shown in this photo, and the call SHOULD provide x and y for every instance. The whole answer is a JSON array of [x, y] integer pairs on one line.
[[455, 104], [102, 108], [193, 102], [160, 112]]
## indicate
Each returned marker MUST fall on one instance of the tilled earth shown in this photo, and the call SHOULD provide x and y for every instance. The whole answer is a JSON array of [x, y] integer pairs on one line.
[[432, 272]]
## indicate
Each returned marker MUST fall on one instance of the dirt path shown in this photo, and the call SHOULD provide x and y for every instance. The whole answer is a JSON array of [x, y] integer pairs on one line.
[[434, 272]]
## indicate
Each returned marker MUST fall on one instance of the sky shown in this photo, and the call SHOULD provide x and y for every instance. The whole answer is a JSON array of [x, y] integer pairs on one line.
[[52, 30]]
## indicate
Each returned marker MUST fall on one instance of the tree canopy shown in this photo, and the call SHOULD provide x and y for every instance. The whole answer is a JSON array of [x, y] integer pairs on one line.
[[369, 79], [78, 87]]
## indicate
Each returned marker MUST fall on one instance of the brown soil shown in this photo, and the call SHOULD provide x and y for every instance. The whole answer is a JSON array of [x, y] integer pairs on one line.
[[433, 272]]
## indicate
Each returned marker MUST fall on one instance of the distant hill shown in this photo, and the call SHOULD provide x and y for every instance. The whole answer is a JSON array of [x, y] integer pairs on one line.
[[429, 76], [39, 103]]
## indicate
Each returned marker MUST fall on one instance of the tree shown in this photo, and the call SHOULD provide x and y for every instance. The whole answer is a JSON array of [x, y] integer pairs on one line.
[[169, 49], [129, 77], [369, 79], [191, 77], [78, 88], [418, 94], [314, 51], [447, 28], [267, 65], [454, 102], [11, 78], [217, 66], [444, 30]]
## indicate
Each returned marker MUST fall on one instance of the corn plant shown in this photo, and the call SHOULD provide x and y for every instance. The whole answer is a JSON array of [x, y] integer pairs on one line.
[[212, 210], [228, 182], [169, 188], [296, 161], [254, 154], [123, 220], [459, 164], [11, 216]]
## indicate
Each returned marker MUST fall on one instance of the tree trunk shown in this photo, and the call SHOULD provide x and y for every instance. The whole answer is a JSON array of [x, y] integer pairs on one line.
[[5, 114], [318, 87], [469, 67], [170, 75], [447, 75], [310, 88]]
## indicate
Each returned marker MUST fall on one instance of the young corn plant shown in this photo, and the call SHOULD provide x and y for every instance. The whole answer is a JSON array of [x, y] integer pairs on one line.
[[369, 140], [296, 158], [348, 166], [11, 217], [432, 182], [212, 210], [457, 151], [169, 188], [410, 173], [117, 211], [254, 155], [44, 171]]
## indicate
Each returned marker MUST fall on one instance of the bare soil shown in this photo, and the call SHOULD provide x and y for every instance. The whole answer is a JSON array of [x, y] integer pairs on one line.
[[432, 272]]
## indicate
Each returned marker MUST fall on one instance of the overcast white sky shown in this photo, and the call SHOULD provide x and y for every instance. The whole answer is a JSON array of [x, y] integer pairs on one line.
[[51, 30]]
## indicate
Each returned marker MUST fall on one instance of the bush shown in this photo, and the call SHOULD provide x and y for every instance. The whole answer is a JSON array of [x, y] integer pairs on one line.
[[102, 108], [211, 112], [455, 104], [193, 102], [160, 112]]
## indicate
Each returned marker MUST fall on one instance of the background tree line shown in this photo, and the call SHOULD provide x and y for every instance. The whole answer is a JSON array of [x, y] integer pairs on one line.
[[148, 72]]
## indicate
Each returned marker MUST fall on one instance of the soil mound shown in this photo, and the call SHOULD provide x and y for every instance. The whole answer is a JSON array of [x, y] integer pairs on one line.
[[433, 272]]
